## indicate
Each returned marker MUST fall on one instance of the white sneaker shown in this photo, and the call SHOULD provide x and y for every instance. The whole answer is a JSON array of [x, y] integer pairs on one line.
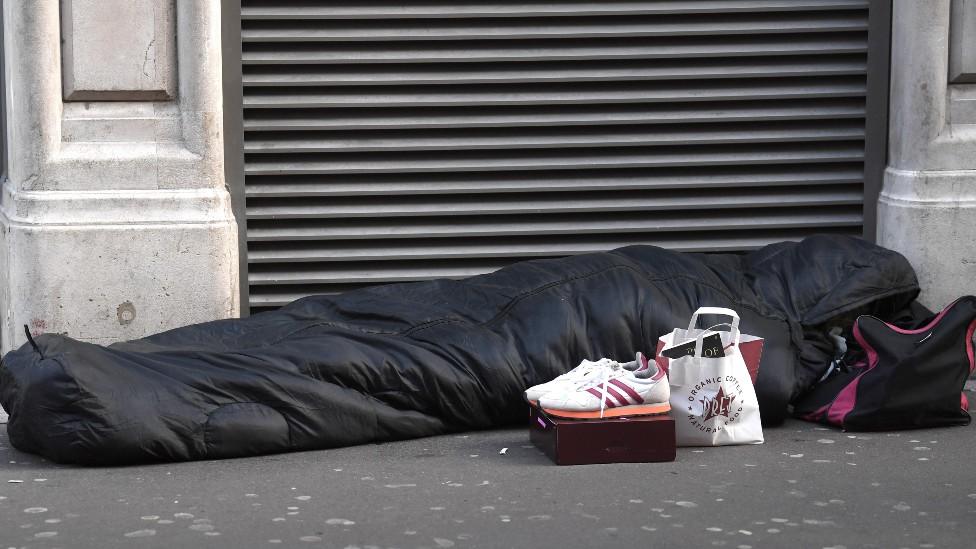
[[580, 374], [614, 391], [568, 380]]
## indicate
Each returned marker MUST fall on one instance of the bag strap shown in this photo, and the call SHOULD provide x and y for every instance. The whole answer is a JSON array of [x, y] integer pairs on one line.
[[715, 311]]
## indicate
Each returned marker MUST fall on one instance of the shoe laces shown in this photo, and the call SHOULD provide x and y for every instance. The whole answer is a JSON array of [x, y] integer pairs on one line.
[[583, 371], [608, 373]]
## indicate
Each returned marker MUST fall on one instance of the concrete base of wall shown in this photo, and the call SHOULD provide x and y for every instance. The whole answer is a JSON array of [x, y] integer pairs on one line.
[[930, 217], [71, 264]]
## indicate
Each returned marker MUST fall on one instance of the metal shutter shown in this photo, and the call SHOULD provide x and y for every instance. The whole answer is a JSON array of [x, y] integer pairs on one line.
[[406, 140]]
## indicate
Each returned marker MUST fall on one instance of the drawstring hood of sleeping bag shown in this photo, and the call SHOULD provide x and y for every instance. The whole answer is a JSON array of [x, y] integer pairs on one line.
[[33, 343]]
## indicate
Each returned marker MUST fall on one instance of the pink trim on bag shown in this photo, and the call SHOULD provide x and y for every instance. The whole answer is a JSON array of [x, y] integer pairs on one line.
[[969, 345], [964, 402], [847, 397], [927, 326], [817, 414]]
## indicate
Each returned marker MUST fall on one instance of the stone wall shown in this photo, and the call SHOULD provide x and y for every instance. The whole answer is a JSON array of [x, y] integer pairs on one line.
[[927, 207], [116, 221]]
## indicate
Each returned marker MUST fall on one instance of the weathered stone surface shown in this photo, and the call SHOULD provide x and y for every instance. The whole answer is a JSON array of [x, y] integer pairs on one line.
[[118, 49], [103, 283], [116, 222], [930, 217], [927, 207]]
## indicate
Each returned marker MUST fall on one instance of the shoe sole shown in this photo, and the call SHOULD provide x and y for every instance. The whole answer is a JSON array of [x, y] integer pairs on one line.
[[622, 411]]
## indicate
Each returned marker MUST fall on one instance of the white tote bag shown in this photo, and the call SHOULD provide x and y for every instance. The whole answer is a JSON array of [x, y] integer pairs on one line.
[[713, 400]]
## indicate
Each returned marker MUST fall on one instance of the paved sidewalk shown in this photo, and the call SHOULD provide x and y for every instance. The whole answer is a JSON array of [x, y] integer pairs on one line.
[[806, 487]]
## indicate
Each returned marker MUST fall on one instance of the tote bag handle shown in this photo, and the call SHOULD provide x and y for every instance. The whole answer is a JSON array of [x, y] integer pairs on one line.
[[715, 311]]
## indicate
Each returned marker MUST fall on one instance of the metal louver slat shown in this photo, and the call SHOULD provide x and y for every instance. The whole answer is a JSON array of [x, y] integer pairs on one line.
[[483, 248], [397, 141], [551, 160], [599, 115], [527, 203], [583, 27], [513, 73], [555, 94], [553, 181], [277, 9], [619, 136], [543, 50], [552, 225]]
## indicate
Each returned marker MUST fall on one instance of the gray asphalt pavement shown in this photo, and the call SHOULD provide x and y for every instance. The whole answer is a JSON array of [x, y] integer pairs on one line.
[[808, 486]]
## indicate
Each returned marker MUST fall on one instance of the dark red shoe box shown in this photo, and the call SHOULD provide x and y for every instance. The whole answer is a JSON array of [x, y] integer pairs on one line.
[[639, 439]]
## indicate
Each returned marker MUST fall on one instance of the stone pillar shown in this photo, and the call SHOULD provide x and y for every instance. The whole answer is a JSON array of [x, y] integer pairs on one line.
[[927, 207], [116, 221]]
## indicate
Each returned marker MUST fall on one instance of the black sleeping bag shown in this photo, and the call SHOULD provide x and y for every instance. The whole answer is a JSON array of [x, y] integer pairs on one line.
[[411, 360]]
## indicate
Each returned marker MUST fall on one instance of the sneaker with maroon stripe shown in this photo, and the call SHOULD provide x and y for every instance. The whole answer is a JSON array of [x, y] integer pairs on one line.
[[586, 370], [616, 391]]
